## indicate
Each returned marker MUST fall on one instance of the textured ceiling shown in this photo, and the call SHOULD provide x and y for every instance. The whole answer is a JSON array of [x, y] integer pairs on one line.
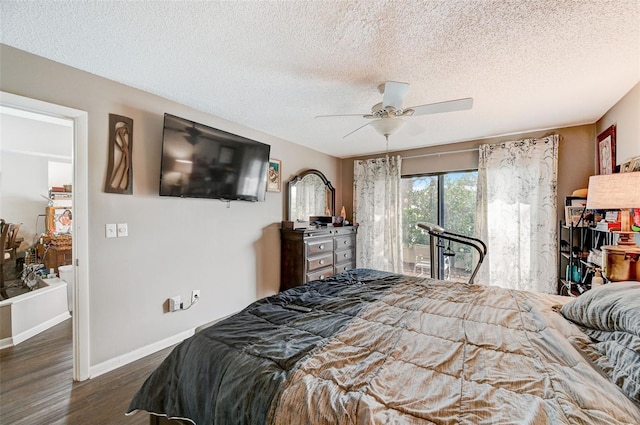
[[275, 65]]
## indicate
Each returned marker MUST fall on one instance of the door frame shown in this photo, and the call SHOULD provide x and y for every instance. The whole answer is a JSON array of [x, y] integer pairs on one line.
[[80, 240]]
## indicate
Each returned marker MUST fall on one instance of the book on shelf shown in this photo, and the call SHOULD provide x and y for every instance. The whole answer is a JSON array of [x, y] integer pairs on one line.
[[60, 195], [608, 226]]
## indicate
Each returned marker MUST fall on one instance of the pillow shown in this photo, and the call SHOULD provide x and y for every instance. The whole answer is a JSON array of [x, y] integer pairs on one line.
[[610, 315], [619, 358], [611, 307]]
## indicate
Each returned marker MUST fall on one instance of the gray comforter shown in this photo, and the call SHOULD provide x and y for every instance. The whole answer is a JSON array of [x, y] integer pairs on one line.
[[380, 348]]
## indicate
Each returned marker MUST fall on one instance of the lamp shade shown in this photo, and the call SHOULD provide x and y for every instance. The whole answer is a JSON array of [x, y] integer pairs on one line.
[[614, 191], [387, 126]]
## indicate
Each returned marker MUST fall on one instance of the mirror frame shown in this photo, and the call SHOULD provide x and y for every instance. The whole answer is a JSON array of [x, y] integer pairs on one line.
[[299, 177]]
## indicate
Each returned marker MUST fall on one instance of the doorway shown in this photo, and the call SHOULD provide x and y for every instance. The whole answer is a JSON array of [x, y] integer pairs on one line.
[[78, 120]]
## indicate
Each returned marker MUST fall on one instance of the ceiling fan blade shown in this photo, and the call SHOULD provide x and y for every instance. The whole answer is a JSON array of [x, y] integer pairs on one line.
[[394, 94], [447, 106], [361, 127], [341, 115]]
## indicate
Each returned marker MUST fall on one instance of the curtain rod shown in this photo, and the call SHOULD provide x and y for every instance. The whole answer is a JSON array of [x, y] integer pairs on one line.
[[439, 153]]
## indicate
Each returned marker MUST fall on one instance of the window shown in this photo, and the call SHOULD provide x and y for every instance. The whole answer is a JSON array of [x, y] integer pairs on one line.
[[446, 199]]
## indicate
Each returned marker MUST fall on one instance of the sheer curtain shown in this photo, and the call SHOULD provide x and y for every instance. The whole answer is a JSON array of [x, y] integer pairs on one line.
[[516, 214], [378, 210]]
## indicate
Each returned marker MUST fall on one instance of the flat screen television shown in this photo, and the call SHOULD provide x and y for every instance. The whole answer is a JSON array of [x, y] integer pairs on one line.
[[203, 162]]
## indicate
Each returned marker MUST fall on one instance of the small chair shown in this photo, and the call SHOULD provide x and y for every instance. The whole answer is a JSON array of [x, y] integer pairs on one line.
[[8, 243], [10, 246], [422, 259]]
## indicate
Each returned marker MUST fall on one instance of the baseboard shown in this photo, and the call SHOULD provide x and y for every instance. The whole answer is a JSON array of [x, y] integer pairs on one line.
[[6, 343], [23, 336], [134, 355]]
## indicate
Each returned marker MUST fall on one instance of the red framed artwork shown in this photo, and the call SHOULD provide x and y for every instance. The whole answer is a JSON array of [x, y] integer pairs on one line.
[[607, 151]]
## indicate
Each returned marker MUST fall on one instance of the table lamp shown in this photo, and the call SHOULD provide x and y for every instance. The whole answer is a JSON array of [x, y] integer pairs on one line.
[[619, 191]]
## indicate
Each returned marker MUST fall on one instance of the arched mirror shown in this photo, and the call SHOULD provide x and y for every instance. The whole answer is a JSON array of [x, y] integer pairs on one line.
[[310, 194]]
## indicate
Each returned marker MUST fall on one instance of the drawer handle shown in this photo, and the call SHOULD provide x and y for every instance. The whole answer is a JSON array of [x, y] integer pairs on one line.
[[346, 242], [320, 246], [321, 277], [321, 262], [346, 255]]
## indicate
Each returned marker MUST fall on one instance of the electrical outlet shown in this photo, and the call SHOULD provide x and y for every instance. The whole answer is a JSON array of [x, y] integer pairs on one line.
[[123, 231], [174, 303], [195, 296]]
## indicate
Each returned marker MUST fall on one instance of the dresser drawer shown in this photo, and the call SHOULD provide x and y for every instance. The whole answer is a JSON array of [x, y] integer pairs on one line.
[[319, 246], [343, 242], [320, 274], [319, 262], [345, 255], [343, 267]]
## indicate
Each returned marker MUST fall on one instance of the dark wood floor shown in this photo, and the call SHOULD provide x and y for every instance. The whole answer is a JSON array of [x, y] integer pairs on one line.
[[36, 385]]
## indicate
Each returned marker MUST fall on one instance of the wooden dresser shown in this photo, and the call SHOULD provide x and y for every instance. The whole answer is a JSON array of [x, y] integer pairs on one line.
[[311, 254], [55, 251]]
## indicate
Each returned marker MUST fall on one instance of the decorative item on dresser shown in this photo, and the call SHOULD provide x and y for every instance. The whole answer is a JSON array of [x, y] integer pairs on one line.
[[311, 254]]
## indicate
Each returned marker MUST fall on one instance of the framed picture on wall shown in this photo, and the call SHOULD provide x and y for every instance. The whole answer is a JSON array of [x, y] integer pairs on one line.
[[59, 220], [607, 151], [275, 175]]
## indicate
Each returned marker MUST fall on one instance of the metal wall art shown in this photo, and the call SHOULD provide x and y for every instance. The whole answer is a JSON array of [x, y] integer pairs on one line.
[[120, 169]]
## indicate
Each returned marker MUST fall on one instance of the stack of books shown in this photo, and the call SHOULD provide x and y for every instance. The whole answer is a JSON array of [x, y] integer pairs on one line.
[[60, 197]]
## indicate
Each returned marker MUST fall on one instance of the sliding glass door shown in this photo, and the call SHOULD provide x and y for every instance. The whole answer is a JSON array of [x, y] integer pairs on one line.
[[446, 199]]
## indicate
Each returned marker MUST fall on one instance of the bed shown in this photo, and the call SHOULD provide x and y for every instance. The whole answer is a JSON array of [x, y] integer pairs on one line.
[[382, 348]]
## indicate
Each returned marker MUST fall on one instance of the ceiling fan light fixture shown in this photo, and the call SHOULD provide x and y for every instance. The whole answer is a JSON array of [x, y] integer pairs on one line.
[[387, 126]]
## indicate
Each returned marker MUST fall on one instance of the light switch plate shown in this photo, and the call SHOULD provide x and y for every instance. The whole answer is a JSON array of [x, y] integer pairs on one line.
[[123, 231], [110, 231]]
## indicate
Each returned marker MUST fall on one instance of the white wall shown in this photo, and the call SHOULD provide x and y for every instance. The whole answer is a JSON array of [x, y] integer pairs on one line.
[[175, 245]]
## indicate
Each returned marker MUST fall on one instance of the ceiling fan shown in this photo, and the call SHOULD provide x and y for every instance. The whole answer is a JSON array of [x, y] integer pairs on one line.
[[386, 115]]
